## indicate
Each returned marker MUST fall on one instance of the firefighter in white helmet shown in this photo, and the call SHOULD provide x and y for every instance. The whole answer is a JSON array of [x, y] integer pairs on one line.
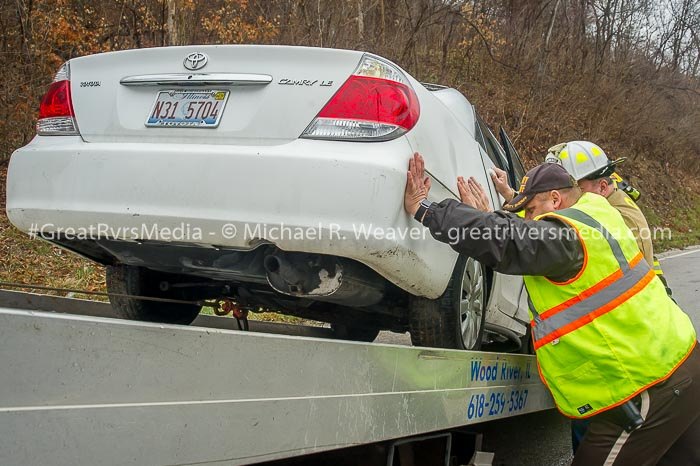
[[592, 169]]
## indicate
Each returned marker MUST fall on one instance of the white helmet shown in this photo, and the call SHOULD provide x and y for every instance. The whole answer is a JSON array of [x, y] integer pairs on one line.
[[582, 159]]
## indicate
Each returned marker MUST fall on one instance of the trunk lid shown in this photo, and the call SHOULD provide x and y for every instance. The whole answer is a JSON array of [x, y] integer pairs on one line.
[[272, 93]]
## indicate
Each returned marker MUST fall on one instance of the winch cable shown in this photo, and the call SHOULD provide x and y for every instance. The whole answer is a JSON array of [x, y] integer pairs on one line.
[[102, 293]]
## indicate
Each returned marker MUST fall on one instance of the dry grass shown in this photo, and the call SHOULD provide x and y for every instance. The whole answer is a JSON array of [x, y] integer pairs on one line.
[[34, 261]]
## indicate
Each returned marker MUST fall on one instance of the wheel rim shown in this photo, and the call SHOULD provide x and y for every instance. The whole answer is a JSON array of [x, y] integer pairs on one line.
[[471, 303]]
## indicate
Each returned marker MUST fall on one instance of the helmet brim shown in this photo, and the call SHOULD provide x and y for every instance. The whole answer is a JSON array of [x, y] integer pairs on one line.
[[607, 170]]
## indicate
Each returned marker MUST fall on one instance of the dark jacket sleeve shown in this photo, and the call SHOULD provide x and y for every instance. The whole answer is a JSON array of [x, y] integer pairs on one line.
[[505, 242]]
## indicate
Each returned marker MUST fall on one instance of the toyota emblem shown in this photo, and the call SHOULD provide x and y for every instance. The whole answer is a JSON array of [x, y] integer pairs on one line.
[[195, 61]]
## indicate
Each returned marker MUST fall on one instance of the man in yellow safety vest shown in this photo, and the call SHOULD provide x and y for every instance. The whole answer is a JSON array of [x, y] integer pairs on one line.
[[610, 344]]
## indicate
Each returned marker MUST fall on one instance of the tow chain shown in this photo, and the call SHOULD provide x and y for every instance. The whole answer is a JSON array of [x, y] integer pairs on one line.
[[224, 307]]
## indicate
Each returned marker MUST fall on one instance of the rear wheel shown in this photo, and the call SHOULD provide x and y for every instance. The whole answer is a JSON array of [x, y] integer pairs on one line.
[[130, 280], [456, 319]]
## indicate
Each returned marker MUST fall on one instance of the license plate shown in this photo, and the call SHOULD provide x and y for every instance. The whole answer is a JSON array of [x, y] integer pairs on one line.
[[193, 109]]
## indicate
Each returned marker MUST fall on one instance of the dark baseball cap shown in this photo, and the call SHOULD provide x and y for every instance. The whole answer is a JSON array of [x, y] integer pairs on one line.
[[542, 178]]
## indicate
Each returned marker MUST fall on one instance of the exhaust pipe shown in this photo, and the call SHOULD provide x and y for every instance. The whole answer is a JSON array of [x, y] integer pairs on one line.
[[323, 278]]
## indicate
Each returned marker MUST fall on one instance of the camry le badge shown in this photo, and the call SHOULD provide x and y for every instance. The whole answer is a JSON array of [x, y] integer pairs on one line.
[[195, 61]]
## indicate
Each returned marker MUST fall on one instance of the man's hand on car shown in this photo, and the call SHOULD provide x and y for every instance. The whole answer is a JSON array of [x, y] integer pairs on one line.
[[500, 181], [417, 184], [473, 194]]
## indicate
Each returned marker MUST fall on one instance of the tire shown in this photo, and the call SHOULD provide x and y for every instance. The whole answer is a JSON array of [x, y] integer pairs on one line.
[[456, 319], [125, 279], [355, 333]]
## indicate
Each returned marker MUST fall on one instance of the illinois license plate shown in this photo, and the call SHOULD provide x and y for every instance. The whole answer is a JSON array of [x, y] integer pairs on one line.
[[193, 109]]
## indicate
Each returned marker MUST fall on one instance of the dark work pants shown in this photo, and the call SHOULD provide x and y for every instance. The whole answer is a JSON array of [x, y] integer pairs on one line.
[[670, 434], [578, 430]]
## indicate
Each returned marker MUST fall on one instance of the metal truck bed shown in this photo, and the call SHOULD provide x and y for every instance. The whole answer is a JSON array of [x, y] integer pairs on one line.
[[86, 390]]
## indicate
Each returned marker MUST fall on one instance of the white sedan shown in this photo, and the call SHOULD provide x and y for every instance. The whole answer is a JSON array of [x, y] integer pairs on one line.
[[271, 176]]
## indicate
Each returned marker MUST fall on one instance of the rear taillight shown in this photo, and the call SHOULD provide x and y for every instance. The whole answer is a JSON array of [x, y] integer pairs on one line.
[[56, 115], [376, 103]]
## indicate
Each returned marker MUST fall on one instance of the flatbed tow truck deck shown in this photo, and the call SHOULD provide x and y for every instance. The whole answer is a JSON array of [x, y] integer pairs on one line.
[[88, 389]]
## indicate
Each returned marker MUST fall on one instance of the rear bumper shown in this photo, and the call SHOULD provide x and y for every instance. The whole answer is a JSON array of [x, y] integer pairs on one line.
[[335, 198]]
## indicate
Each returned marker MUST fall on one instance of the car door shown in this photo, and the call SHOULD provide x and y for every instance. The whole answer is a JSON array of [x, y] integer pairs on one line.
[[507, 307], [516, 172]]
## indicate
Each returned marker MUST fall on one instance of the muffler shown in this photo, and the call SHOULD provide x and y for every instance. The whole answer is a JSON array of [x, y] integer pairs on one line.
[[323, 278]]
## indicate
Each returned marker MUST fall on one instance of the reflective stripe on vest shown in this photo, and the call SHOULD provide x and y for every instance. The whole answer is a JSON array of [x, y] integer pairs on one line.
[[657, 267], [596, 300]]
